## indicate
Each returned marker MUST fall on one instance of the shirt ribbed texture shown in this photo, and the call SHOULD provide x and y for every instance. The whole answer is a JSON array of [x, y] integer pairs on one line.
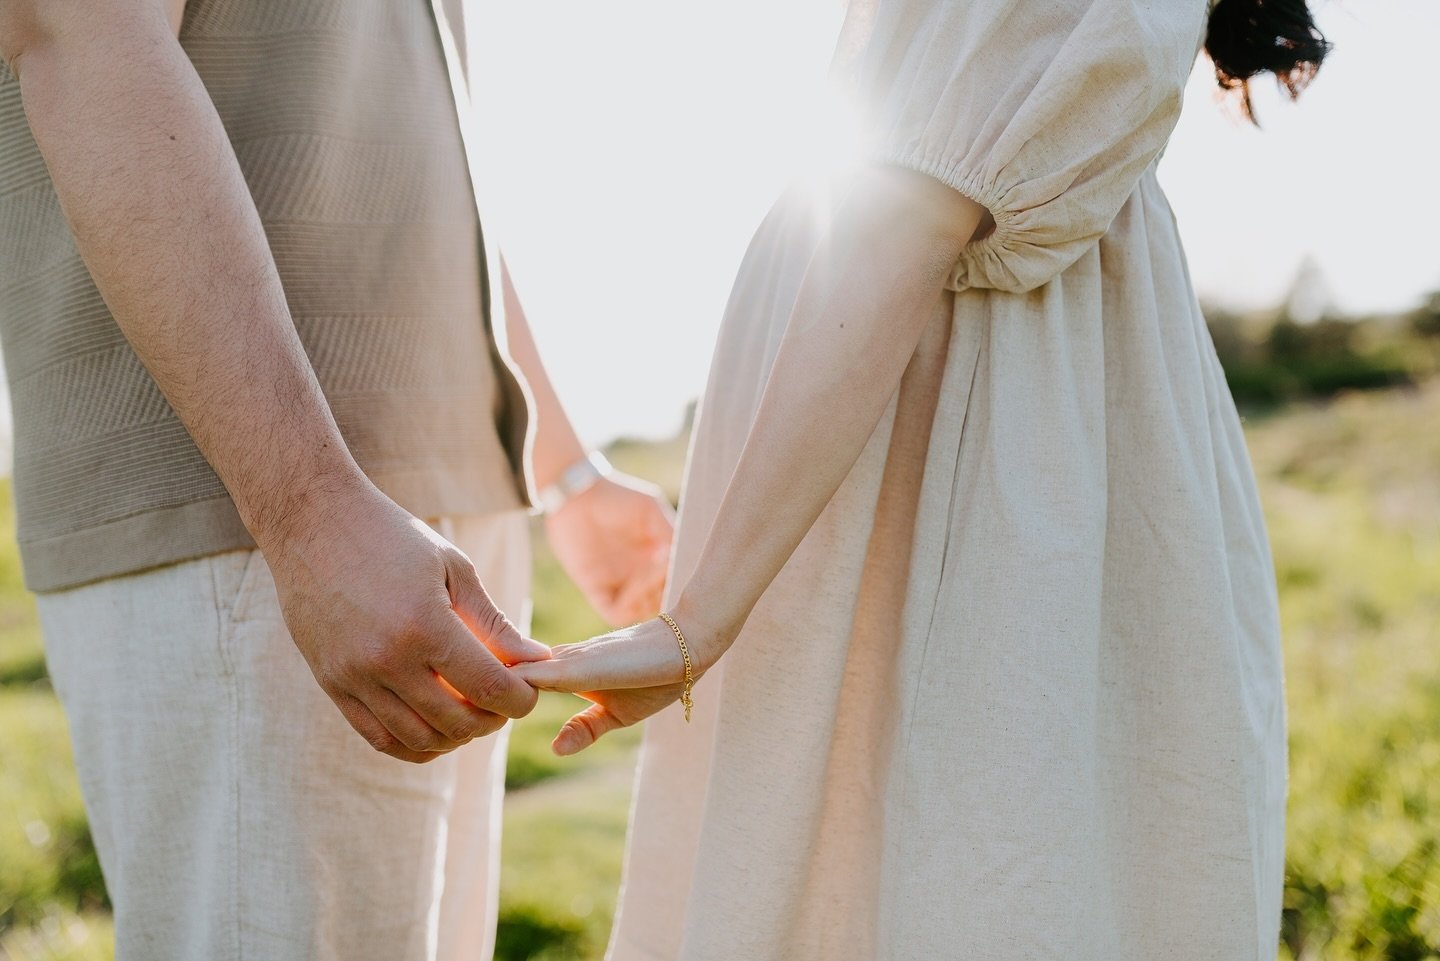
[[341, 116]]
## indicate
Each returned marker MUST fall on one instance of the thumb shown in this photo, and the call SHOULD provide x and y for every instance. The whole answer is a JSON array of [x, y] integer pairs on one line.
[[486, 621], [584, 729]]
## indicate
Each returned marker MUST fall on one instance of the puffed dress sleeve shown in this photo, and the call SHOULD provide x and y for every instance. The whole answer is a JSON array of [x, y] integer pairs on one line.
[[1044, 111]]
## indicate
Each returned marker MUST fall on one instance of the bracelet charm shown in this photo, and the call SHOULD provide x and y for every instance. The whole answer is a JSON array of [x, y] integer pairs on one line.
[[689, 669]]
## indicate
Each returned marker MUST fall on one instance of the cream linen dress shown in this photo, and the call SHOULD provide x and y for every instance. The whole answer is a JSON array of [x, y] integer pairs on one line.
[[1018, 694]]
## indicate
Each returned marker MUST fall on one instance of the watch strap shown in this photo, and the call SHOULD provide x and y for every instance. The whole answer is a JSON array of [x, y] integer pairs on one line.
[[574, 481]]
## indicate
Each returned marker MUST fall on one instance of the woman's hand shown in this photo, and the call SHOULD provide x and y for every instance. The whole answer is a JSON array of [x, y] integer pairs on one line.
[[874, 284], [628, 675]]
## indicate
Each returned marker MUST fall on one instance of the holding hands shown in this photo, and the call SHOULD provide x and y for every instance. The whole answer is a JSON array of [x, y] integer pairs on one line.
[[405, 639], [613, 539], [395, 625], [627, 676]]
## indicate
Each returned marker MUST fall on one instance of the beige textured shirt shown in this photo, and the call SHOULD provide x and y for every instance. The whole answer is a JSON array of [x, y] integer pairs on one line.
[[343, 121]]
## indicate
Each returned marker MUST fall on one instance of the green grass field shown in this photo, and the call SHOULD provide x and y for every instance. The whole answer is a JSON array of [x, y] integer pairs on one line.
[[1352, 490]]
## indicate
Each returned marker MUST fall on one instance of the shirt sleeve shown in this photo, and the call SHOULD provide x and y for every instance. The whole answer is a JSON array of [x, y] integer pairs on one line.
[[1044, 111]]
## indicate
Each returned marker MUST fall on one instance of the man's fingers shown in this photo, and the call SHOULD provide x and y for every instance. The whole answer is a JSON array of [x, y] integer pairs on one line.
[[584, 729], [484, 619], [472, 670], [446, 710], [408, 727], [377, 735]]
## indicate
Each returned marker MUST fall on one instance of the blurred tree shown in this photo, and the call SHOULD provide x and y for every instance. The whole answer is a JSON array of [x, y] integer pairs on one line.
[[1425, 321]]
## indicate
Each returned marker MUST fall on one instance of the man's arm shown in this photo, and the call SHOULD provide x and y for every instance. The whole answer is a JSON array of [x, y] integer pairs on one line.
[[614, 538], [161, 214]]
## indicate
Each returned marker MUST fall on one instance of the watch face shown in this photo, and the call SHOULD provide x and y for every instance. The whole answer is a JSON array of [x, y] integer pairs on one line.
[[574, 480]]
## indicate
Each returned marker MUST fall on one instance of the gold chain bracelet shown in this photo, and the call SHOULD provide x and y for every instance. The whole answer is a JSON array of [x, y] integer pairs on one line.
[[689, 669]]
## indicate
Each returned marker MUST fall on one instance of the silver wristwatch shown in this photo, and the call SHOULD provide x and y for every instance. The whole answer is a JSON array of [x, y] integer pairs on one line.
[[574, 481]]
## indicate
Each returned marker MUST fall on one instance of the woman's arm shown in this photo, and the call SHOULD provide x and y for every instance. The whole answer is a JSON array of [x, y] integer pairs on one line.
[[868, 293], [866, 298]]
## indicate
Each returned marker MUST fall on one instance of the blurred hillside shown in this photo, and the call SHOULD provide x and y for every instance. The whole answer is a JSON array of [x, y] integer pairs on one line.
[[1302, 351]]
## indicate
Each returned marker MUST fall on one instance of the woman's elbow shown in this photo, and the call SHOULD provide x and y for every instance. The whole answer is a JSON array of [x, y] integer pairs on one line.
[[915, 216]]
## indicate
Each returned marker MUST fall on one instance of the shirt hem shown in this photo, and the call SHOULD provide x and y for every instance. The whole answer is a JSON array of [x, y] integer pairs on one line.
[[169, 535]]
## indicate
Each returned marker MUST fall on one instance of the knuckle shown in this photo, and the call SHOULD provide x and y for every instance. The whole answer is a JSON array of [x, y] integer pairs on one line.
[[331, 681], [384, 660], [383, 741], [489, 725], [464, 730], [587, 723], [463, 569], [493, 622], [432, 630], [343, 673], [527, 699], [492, 685], [432, 741], [416, 736]]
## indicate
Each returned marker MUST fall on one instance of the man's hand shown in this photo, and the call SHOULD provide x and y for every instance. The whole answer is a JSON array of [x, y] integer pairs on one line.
[[381, 607], [396, 626], [613, 540]]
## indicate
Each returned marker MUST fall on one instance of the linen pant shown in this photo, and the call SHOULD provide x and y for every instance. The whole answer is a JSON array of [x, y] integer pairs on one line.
[[236, 813]]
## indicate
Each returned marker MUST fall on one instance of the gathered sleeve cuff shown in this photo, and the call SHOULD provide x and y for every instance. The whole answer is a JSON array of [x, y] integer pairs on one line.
[[1045, 112]]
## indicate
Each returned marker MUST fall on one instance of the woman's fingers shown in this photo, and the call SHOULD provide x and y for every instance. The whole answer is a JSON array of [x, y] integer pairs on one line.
[[584, 729], [566, 672], [645, 655]]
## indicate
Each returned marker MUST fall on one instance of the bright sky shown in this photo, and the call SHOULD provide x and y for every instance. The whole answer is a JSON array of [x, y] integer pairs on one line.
[[638, 143]]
